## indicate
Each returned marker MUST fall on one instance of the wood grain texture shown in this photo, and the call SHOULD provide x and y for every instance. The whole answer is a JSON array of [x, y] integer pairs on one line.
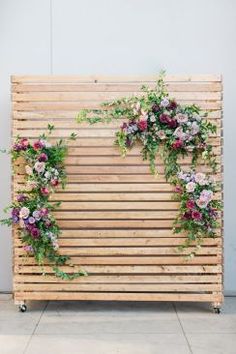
[[116, 218]]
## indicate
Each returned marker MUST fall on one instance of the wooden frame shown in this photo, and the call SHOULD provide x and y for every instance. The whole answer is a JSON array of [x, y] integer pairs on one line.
[[116, 218]]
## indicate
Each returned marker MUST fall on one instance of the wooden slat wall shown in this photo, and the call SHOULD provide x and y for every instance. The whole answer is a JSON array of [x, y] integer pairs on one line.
[[116, 218]]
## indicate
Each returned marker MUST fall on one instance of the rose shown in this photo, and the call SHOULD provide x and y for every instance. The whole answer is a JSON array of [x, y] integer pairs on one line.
[[31, 220], [124, 126], [142, 124], [28, 248], [155, 108], [177, 144], [35, 232], [24, 143], [31, 185], [181, 118], [172, 123], [172, 105], [190, 187], [24, 213], [152, 118], [44, 191], [54, 182], [47, 223], [21, 198], [15, 219], [164, 118], [28, 170], [190, 204], [165, 102], [201, 203], [15, 212], [195, 128], [206, 195], [44, 211], [200, 178], [178, 189], [196, 215], [187, 215], [43, 157], [161, 134], [39, 166], [37, 145], [37, 215]]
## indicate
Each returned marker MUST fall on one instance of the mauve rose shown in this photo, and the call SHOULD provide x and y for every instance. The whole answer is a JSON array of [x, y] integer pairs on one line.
[[187, 215], [196, 215], [190, 204], [155, 108], [43, 157], [142, 124], [24, 213], [24, 143], [47, 223], [31, 220], [15, 212], [39, 167], [44, 191], [44, 211], [177, 144], [35, 232], [178, 189]]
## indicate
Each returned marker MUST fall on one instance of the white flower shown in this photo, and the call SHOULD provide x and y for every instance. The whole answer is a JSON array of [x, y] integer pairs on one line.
[[28, 170], [197, 118], [165, 102], [152, 118], [181, 118], [190, 187], [161, 134], [24, 213], [45, 143], [200, 178], [39, 166], [47, 175], [195, 128], [206, 195]]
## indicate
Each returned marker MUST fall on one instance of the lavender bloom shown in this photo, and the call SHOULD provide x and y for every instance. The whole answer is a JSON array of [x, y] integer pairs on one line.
[[165, 102], [37, 215], [31, 220]]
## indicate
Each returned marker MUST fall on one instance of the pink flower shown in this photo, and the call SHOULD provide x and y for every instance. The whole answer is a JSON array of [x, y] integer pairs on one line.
[[161, 134], [44, 212], [202, 203], [44, 191], [196, 215], [172, 123], [177, 144], [178, 189], [39, 167], [206, 195], [28, 248], [164, 118], [24, 143], [43, 157], [181, 118], [190, 204], [142, 124]]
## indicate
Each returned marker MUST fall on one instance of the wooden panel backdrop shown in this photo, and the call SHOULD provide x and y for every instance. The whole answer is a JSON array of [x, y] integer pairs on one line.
[[116, 218]]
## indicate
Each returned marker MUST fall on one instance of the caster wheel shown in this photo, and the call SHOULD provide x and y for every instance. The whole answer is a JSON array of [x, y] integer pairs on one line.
[[23, 308], [217, 310]]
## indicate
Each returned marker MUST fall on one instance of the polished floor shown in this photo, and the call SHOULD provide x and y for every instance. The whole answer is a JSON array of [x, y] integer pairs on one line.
[[117, 328]]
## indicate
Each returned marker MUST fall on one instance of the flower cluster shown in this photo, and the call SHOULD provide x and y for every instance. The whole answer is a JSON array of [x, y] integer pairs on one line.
[[174, 131], [32, 210], [199, 208]]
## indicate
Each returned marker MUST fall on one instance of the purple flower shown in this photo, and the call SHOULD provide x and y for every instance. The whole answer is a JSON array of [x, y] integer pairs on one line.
[[37, 215], [15, 219], [21, 198], [155, 108], [31, 220], [28, 248], [15, 212], [43, 157]]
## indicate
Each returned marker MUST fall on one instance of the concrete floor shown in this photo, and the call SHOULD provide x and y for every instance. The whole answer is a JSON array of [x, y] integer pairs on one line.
[[117, 328]]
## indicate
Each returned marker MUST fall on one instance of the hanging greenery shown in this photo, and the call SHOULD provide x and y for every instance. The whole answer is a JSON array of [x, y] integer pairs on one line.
[[32, 210], [164, 127]]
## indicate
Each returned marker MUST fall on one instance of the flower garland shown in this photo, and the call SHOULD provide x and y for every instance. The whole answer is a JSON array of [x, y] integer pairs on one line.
[[32, 210], [173, 131]]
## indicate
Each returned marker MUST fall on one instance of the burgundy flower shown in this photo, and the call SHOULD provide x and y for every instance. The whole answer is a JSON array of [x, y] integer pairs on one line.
[[172, 105], [128, 142], [15, 212], [124, 126], [54, 182], [172, 123], [155, 108], [142, 124], [164, 118], [44, 191], [196, 215], [47, 223], [17, 147], [177, 144], [187, 215], [37, 145], [190, 204], [43, 157], [35, 232]]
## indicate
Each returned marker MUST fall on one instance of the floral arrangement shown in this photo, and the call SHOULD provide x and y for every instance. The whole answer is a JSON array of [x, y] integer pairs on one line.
[[32, 210], [173, 131]]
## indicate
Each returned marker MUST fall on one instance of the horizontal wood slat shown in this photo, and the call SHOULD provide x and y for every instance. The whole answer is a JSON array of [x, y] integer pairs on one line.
[[116, 218]]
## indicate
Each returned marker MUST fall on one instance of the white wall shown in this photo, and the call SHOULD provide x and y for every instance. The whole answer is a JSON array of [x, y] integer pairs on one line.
[[120, 37]]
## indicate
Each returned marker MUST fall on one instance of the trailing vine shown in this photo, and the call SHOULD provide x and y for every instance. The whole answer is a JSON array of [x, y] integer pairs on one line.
[[164, 127], [31, 212]]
